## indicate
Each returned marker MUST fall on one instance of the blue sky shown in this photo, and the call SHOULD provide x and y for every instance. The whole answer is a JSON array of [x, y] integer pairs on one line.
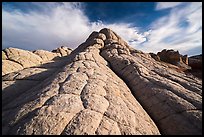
[[147, 26]]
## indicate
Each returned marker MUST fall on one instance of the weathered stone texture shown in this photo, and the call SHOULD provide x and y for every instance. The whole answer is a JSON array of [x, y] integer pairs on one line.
[[81, 93], [46, 55], [84, 97], [167, 95], [14, 59], [172, 57], [63, 51]]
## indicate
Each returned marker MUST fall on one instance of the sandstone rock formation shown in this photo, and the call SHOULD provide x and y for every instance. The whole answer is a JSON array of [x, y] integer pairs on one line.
[[103, 87], [173, 99], [172, 57], [155, 56], [63, 51], [191, 65], [46, 55], [83, 97], [14, 59]]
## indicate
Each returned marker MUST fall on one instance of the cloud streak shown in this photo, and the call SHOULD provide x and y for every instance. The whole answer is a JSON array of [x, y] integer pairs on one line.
[[180, 30], [166, 5], [66, 24]]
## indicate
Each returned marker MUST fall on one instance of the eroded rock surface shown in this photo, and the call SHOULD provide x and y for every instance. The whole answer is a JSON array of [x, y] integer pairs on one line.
[[46, 55], [172, 57], [14, 59], [172, 98], [103, 87], [192, 65], [63, 51], [16, 83], [83, 97]]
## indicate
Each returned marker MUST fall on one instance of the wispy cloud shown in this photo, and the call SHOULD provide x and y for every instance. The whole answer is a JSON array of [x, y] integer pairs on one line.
[[166, 5], [66, 24], [180, 30], [57, 24]]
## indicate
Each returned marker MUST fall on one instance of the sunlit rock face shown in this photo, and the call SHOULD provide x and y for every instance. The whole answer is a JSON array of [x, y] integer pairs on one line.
[[171, 97], [14, 59], [102, 87]]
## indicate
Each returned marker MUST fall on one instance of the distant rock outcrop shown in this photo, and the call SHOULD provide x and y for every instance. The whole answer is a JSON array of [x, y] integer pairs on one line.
[[169, 56], [173, 57], [14, 59], [103, 87], [63, 51], [155, 56], [191, 65]]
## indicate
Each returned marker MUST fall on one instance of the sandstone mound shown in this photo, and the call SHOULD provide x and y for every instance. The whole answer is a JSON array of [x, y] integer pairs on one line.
[[14, 59], [46, 55], [63, 51], [103, 87], [172, 57]]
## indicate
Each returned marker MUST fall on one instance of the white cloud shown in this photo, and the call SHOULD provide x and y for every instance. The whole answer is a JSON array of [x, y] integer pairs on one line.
[[58, 24], [168, 33], [165, 5], [66, 24], [63, 24]]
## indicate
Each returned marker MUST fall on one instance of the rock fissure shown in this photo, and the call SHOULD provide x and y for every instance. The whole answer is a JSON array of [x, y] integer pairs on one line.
[[16, 62], [81, 97], [66, 131]]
